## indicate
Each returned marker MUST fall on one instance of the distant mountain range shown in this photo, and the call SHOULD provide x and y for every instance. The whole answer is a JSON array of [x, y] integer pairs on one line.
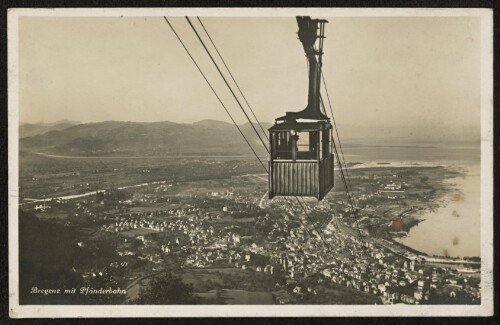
[[201, 138], [137, 138], [32, 129]]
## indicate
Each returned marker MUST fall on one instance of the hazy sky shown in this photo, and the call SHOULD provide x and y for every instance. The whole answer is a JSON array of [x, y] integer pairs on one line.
[[399, 71]]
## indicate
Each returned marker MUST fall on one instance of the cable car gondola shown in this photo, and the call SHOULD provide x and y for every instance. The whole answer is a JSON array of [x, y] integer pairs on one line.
[[301, 163]]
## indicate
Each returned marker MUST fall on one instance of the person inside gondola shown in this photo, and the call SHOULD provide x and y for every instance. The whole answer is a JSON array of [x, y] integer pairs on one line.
[[313, 145], [282, 146], [292, 144]]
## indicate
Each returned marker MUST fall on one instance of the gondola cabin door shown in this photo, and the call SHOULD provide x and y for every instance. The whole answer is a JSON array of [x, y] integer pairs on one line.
[[301, 163]]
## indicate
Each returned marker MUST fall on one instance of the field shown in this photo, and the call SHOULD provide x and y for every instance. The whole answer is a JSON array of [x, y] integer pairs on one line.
[[138, 232], [198, 277], [208, 281], [41, 176], [215, 277]]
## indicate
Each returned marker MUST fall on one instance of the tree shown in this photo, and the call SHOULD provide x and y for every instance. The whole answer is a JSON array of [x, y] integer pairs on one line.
[[166, 289]]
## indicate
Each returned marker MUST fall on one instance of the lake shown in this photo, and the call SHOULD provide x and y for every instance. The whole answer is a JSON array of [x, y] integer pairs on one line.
[[453, 229]]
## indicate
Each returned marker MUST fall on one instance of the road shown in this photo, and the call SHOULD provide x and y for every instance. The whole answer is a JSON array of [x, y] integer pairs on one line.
[[76, 196], [143, 157]]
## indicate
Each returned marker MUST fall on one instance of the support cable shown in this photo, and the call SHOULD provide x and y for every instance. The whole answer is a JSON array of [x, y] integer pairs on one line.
[[318, 231], [336, 130], [232, 77], [350, 201], [215, 93], [227, 84], [353, 210], [234, 122]]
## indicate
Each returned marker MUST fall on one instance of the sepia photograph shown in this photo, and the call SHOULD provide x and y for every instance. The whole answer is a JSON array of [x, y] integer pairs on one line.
[[250, 162]]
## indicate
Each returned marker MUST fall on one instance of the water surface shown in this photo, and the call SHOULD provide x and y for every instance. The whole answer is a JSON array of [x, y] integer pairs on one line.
[[454, 228]]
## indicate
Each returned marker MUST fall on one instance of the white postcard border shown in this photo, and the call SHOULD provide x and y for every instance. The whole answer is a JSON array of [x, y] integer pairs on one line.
[[38, 311]]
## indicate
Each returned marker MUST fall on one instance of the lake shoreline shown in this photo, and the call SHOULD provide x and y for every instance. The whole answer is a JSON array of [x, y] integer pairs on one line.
[[452, 194]]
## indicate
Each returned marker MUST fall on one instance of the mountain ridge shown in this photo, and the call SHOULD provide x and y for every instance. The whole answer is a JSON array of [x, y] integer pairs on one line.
[[203, 137], [207, 136], [32, 129]]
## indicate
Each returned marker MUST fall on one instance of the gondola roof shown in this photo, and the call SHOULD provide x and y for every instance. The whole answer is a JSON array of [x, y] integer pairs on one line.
[[299, 126]]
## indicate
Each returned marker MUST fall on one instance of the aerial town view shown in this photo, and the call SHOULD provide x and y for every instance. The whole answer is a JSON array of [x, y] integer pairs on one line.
[[115, 224], [172, 201]]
